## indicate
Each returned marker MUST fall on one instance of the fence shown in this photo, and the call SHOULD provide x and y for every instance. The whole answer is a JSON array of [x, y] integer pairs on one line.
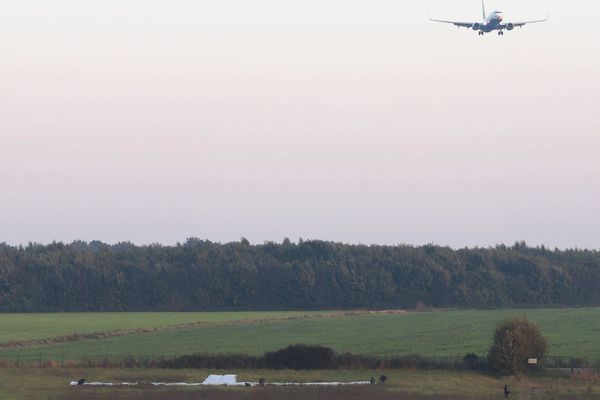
[[45, 360], [569, 362], [349, 361]]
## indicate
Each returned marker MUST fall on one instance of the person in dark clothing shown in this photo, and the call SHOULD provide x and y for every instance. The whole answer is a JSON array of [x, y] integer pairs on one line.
[[506, 391]]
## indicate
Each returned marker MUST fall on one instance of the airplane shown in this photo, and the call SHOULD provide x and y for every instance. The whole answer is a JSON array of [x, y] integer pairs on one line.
[[491, 22]]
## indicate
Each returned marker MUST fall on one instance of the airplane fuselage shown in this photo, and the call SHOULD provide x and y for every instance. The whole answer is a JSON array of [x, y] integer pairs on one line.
[[492, 23]]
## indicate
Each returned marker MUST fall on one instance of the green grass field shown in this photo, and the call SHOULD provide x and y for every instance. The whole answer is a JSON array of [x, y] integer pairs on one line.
[[40, 326], [52, 383], [571, 333]]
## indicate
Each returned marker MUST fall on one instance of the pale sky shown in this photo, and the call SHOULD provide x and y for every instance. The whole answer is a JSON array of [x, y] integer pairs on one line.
[[345, 120]]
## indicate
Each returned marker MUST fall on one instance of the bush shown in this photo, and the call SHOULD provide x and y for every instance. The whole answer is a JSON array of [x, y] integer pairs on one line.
[[301, 356], [515, 341], [471, 361]]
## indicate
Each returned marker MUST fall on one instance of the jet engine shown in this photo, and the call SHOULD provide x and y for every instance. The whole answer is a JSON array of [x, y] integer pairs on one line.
[[510, 26], [476, 27]]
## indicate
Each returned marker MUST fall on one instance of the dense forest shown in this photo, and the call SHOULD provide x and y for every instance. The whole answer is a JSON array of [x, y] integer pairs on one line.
[[202, 275]]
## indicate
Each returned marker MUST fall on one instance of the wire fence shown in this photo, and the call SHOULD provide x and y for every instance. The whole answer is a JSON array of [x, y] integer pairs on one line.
[[459, 362], [45, 360]]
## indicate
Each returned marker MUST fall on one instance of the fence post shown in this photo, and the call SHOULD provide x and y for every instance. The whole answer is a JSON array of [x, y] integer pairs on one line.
[[62, 360], [40, 364], [17, 360]]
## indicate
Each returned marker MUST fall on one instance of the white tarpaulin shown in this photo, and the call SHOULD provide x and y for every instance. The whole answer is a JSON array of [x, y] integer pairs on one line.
[[318, 383], [221, 380], [224, 380], [75, 383]]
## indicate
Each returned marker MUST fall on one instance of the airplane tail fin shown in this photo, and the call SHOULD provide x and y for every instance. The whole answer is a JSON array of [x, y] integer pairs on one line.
[[483, 8]]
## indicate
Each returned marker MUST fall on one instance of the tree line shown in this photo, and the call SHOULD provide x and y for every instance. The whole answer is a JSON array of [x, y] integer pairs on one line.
[[203, 275]]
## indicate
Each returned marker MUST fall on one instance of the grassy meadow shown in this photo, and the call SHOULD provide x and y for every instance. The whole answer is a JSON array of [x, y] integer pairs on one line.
[[52, 383], [571, 332], [40, 326]]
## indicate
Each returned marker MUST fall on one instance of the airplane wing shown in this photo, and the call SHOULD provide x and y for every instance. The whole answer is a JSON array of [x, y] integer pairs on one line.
[[522, 24], [457, 23]]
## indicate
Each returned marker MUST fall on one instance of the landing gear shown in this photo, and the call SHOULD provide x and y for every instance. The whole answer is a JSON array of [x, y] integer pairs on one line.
[[500, 33], [481, 33]]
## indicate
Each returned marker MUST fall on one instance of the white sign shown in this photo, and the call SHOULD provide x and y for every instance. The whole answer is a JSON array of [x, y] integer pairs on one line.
[[532, 361]]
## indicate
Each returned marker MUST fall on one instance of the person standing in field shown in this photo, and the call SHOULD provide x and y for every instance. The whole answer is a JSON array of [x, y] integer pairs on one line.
[[506, 391]]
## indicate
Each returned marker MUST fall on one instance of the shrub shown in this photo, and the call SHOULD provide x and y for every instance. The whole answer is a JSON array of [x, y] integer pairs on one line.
[[471, 361], [515, 341], [301, 356]]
